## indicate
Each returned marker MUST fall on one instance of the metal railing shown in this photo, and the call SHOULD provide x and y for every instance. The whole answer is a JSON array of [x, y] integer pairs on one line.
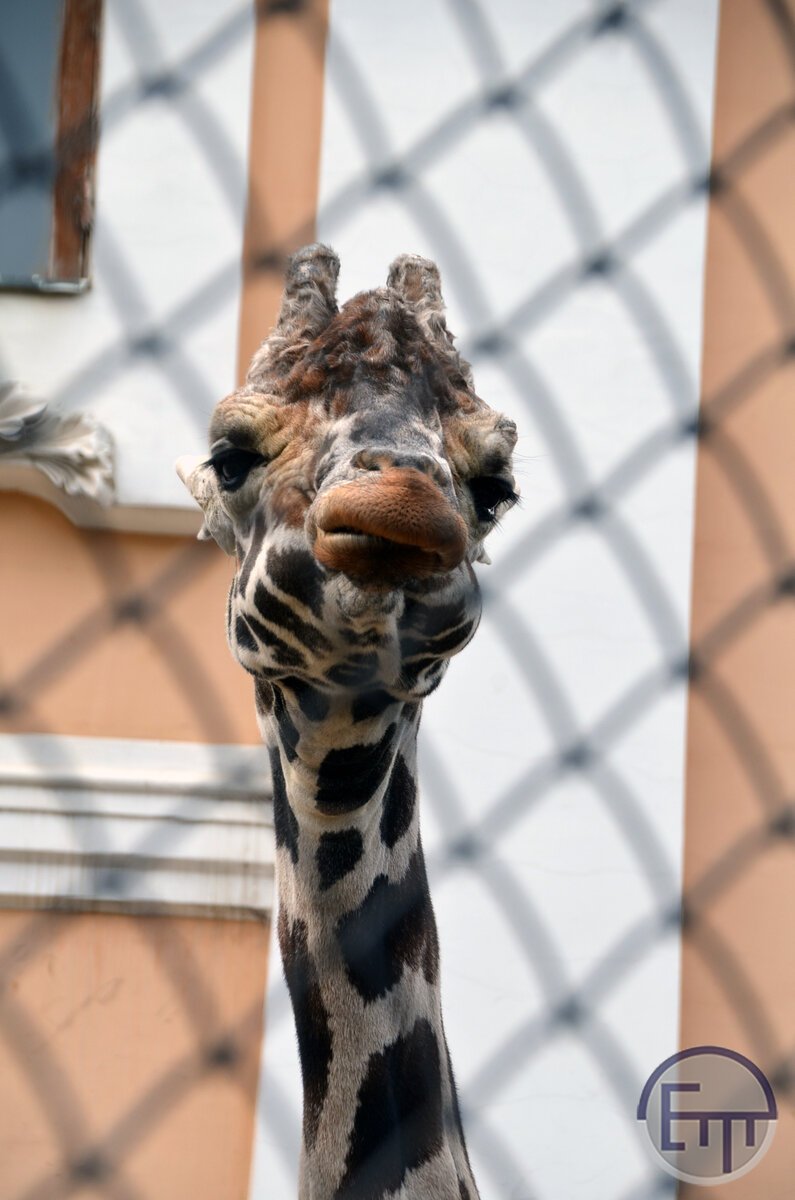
[[590, 502]]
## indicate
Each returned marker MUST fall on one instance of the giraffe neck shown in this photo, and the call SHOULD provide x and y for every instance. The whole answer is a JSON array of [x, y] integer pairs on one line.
[[360, 950]]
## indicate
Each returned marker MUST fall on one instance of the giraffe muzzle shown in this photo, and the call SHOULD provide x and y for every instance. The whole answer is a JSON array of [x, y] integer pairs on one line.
[[388, 526]]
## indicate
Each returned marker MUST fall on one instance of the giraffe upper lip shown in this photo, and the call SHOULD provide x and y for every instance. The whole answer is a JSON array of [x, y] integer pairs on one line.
[[393, 523]]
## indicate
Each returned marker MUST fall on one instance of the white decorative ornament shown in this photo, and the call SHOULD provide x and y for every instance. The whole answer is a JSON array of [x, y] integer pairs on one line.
[[72, 450]]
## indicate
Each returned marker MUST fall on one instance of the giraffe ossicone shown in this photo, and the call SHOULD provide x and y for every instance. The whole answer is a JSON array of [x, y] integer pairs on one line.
[[355, 476]]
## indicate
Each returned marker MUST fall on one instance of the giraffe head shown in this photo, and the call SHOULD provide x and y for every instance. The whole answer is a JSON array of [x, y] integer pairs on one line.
[[354, 477]]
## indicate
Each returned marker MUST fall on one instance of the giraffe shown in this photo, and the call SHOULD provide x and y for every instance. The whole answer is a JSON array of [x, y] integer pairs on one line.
[[354, 477]]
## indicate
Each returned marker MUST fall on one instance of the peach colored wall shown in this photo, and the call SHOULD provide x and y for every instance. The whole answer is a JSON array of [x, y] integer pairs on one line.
[[115, 635], [132, 1041], [739, 950], [284, 159]]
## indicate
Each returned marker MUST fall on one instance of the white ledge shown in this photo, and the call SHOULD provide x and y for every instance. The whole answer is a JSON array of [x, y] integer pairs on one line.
[[88, 514], [67, 459], [135, 826]]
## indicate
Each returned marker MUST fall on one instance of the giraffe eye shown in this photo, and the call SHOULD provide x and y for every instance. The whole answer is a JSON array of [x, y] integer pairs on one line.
[[232, 467], [488, 493]]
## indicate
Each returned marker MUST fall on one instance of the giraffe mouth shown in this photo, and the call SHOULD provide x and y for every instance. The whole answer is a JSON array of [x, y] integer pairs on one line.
[[373, 559], [387, 527]]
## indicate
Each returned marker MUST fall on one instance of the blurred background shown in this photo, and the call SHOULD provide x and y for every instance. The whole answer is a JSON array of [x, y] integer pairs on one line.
[[608, 772]]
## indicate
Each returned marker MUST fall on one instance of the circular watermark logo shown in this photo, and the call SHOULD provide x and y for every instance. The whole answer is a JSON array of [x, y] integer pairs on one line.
[[709, 1114]]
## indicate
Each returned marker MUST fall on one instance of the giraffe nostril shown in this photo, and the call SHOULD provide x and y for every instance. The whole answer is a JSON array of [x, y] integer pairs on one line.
[[430, 466], [371, 460], [383, 458]]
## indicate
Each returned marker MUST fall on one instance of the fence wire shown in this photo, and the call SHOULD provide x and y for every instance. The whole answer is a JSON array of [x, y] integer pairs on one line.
[[593, 504]]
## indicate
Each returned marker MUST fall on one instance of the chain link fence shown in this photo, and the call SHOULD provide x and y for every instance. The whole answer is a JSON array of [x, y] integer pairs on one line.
[[582, 743]]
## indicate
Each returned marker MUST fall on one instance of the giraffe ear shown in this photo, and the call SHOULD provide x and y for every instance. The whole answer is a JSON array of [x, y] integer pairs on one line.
[[309, 303], [199, 478], [418, 282]]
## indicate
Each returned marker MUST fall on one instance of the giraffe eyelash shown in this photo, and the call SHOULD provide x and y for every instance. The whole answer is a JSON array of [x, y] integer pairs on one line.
[[490, 493], [232, 467]]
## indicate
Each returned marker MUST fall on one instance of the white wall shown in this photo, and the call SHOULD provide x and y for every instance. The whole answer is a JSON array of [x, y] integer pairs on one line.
[[171, 193], [578, 863]]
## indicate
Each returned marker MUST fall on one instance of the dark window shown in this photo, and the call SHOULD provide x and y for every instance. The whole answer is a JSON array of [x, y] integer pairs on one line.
[[49, 68]]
